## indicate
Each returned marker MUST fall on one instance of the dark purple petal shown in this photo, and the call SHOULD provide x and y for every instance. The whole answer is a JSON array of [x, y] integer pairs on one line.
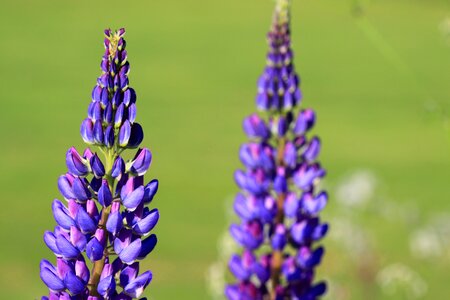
[[87, 131], [147, 246], [96, 91], [98, 132], [95, 111], [305, 120], [132, 113], [313, 149], [247, 236], [136, 136], [262, 101], [108, 114], [109, 136], [232, 293], [319, 232], [279, 239], [118, 168], [62, 215], [136, 287], [130, 253], [50, 241], [87, 154], [241, 179], [143, 226], [84, 222], [317, 290], [313, 205], [262, 268], [75, 163], [80, 189], [290, 155], [119, 115], [81, 270], [308, 259], [129, 96], [96, 183], [65, 186], [122, 240], [129, 273], [73, 283], [280, 184], [114, 223], [141, 162], [242, 207], [255, 127], [104, 194], [132, 200], [117, 99], [77, 238], [301, 232], [291, 205], [66, 249], [97, 166], [63, 266], [306, 175], [49, 277], [94, 250], [106, 286], [124, 133], [238, 269], [150, 190], [104, 95]]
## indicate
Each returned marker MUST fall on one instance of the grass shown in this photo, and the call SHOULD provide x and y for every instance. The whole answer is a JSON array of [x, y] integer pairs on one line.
[[194, 67]]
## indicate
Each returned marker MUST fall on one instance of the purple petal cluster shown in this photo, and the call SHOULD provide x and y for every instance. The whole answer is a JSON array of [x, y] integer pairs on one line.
[[104, 224], [280, 201]]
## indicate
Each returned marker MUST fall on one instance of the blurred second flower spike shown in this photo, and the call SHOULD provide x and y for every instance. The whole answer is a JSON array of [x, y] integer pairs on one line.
[[280, 200]]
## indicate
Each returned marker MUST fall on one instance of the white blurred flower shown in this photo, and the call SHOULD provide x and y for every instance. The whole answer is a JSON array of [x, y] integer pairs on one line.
[[216, 280], [398, 279], [425, 244], [350, 236], [357, 188], [433, 240]]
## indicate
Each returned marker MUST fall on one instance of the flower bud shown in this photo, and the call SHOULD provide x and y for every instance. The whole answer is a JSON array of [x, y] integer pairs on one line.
[[75, 163], [104, 194], [109, 137], [87, 131], [118, 168], [255, 127], [97, 166], [124, 134], [305, 120], [141, 162], [136, 137]]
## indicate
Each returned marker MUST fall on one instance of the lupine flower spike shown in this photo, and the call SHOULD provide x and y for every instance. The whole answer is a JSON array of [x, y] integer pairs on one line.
[[104, 220], [279, 202]]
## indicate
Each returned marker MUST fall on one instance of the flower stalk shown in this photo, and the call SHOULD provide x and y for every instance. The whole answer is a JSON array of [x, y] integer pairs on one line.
[[107, 218]]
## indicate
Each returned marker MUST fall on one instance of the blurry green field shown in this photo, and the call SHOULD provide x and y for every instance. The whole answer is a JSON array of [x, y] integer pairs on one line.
[[370, 76]]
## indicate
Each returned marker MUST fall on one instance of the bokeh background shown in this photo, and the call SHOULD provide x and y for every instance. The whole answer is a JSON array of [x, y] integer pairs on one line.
[[377, 73]]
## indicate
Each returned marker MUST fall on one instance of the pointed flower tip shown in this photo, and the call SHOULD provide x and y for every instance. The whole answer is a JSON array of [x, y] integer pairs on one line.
[[282, 11]]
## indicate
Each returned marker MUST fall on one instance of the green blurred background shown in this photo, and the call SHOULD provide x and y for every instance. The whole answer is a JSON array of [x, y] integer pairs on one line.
[[377, 73]]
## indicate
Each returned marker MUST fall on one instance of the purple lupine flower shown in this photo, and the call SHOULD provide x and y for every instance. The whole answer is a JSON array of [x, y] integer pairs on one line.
[[280, 201], [105, 217]]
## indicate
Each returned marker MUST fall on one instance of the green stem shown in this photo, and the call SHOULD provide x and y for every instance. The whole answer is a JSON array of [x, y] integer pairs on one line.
[[110, 156]]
